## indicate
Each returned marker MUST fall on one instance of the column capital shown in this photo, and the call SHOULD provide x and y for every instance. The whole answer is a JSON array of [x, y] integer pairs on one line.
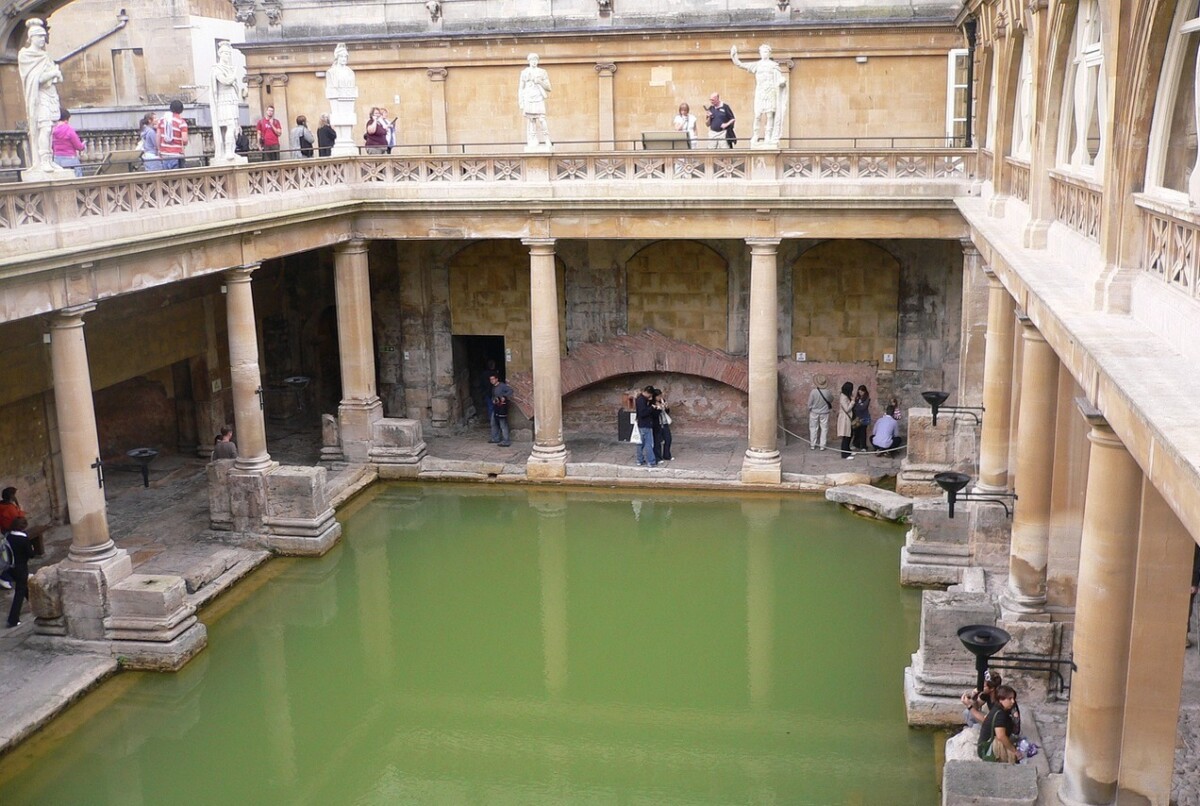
[[437, 73], [351, 246], [606, 69], [764, 246], [1021, 316], [969, 249], [1101, 433], [540, 246], [71, 316], [240, 274]]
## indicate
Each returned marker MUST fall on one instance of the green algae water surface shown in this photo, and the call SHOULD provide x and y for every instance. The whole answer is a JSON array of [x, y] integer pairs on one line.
[[485, 645]]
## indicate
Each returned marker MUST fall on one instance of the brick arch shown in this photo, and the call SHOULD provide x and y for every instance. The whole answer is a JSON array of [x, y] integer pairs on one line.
[[648, 351]]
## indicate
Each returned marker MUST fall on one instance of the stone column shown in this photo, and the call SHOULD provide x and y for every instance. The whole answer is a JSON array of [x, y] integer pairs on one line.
[[997, 389], [974, 327], [549, 456], [1160, 605], [762, 463], [360, 406], [80, 447], [250, 431], [441, 137], [607, 111], [1103, 618], [1029, 550]]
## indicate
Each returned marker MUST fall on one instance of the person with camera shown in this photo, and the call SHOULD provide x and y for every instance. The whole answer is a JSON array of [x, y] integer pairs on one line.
[[720, 121], [977, 703], [376, 140]]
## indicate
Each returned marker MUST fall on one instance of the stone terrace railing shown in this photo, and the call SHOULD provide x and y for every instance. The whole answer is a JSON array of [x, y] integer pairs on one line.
[[1076, 203], [52, 215], [1018, 185], [1171, 249]]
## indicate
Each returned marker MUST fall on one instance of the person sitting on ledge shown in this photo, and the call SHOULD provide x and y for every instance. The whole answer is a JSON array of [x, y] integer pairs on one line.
[[996, 734], [977, 703]]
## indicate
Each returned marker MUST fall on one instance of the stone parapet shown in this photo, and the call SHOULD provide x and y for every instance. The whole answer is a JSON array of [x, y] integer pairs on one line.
[[397, 447], [936, 549], [942, 669], [952, 445]]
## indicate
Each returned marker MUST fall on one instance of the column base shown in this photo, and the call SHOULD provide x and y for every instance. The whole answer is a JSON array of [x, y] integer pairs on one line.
[[762, 467], [255, 464], [355, 421], [547, 462], [397, 448], [54, 173], [151, 656], [1015, 607], [1036, 234], [997, 205], [91, 554], [297, 518]]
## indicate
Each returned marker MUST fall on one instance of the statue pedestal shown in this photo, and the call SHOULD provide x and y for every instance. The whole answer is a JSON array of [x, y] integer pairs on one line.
[[343, 117], [233, 159], [55, 173]]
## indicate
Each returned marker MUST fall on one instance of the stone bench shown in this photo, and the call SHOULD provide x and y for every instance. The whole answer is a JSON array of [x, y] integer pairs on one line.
[[865, 499]]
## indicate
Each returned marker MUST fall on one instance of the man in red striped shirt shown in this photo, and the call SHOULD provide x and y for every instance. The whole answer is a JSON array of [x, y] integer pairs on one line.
[[172, 136], [269, 132]]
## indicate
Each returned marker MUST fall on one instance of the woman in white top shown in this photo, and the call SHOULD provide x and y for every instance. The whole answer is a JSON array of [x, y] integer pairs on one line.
[[685, 121]]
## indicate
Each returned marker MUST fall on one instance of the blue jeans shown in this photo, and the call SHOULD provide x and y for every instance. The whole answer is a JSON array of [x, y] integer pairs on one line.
[[645, 448], [500, 429], [64, 161]]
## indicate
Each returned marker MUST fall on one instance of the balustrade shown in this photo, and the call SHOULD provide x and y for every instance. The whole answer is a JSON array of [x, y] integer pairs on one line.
[[1018, 183], [1077, 203], [24, 205], [1171, 246]]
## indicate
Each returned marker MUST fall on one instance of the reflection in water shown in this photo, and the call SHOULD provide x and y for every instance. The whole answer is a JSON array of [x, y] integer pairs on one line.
[[483, 644]]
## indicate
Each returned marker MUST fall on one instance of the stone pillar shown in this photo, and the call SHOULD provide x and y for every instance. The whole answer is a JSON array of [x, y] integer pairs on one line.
[[77, 435], [250, 430], [549, 456], [607, 112], [1028, 552], [1152, 694], [974, 327], [360, 406], [1103, 618], [997, 389], [441, 137], [762, 463]]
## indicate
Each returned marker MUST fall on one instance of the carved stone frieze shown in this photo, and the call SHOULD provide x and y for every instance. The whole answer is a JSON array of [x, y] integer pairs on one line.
[[274, 9], [243, 12]]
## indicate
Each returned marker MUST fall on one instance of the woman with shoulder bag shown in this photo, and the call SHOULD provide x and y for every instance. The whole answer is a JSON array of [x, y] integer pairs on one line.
[[845, 413], [302, 136], [860, 421], [662, 448]]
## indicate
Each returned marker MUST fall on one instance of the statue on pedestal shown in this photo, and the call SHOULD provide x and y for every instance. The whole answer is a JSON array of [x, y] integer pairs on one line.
[[40, 77], [531, 95], [770, 96], [227, 90], [341, 90]]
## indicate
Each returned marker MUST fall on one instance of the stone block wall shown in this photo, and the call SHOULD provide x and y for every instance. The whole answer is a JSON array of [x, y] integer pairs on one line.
[[680, 289]]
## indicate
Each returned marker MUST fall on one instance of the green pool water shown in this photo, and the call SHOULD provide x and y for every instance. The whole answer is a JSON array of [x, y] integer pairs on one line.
[[470, 644]]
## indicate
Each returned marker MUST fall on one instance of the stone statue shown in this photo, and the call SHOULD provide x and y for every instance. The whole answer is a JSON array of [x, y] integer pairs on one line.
[[341, 90], [227, 90], [434, 7], [39, 78], [531, 94], [770, 96]]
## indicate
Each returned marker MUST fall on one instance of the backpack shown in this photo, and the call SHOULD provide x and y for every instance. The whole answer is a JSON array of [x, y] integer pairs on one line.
[[6, 554]]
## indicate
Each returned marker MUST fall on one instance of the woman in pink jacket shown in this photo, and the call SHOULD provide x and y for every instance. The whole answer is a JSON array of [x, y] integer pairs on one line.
[[66, 144]]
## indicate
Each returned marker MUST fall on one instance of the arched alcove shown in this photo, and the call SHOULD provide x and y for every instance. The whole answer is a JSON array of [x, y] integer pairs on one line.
[[680, 289]]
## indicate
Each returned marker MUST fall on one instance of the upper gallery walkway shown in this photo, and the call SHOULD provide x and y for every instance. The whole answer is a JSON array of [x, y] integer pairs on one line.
[[82, 240]]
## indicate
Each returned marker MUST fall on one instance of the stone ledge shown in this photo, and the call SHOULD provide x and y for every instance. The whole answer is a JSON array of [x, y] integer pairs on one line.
[[982, 783], [864, 498]]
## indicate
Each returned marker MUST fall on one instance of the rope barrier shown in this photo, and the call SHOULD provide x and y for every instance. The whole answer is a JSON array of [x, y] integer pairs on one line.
[[888, 451]]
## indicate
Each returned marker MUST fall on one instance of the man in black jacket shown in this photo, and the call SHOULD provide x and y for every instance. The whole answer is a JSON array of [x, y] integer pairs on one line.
[[22, 552]]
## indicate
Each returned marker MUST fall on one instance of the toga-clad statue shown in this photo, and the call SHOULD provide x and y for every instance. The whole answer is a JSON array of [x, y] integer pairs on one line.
[[227, 90], [40, 77], [532, 93], [341, 90], [770, 96]]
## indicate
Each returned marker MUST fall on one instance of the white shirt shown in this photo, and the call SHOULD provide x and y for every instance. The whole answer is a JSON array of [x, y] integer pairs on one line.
[[885, 432]]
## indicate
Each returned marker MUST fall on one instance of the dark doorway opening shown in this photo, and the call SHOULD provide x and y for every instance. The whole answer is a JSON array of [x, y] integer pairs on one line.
[[472, 354]]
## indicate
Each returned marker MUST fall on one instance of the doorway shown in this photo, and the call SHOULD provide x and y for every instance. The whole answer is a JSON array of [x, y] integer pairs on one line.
[[471, 357]]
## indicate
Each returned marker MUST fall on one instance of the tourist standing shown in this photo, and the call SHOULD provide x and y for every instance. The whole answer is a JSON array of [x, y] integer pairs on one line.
[[720, 123], [662, 439], [820, 403], [10, 510], [500, 389], [860, 418], [376, 139], [685, 122], [172, 131], [326, 137], [65, 142], [148, 143], [22, 553], [644, 411], [845, 413], [302, 136], [269, 132]]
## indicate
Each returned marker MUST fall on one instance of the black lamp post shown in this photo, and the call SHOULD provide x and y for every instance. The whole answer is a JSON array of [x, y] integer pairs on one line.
[[953, 483], [936, 401], [982, 641]]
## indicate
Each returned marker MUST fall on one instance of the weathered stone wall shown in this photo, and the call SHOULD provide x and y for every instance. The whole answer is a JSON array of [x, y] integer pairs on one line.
[[698, 405], [680, 289], [844, 302]]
